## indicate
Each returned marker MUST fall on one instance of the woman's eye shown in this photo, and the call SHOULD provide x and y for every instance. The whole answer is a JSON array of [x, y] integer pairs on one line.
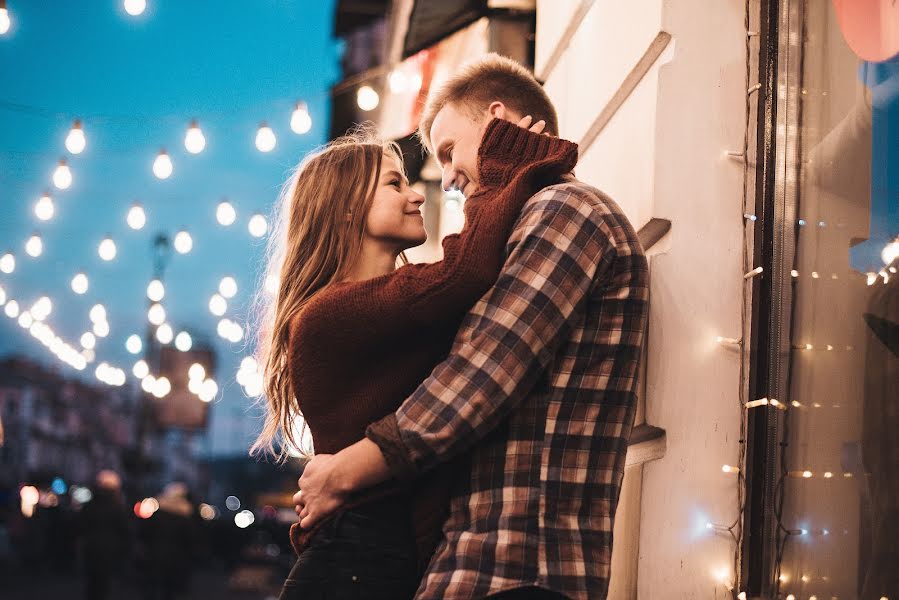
[[395, 182]]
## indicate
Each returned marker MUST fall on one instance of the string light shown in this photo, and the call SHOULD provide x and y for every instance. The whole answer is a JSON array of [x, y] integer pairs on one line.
[[164, 333], [8, 262], [147, 383], [217, 305], [101, 328], [140, 369], [107, 249], [134, 345], [155, 290], [162, 166], [11, 309], [196, 372], [300, 121], [367, 98], [79, 283], [194, 140], [44, 208], [162, 387], [62, 176], [88, 341], [136, 218], [34, 247], [25, 320], [156, 314], [42, 308], [257, 226], [208, 390], [5, 21], [75, 141], [227, 287], [225, 214], [183, 242], [265, 138], [183, 341], [135, 7], [97, 313]]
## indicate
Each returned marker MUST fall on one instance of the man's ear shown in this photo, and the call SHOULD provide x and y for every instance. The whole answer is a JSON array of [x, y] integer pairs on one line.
[[497, 109]]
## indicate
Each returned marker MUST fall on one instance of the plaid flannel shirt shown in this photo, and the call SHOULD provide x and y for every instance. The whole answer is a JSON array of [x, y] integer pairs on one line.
[[539, 388]]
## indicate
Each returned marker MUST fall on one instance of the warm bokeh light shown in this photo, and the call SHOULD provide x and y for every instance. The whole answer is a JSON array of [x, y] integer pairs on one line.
[[34, 247], [162, 166], [194, 140], [183, 341], [136, 218], [367, 98], [5, 21], [97, 313], [156, 314], [101, 328], [225, 213], [107, 249], [265, 138], [80, 283], [140, 369], [217, 305], [155, 290], [135, 7], [134, 344], [8, 262], [75, 141], [257, 226], [196, 371], [62, 176], [300, 121], [44, 208], [164, 333], [228, 287], [88, 341], [184, 243]]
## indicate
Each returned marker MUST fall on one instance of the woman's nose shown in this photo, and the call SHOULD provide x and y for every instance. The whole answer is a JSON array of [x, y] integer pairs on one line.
[[417, 199]]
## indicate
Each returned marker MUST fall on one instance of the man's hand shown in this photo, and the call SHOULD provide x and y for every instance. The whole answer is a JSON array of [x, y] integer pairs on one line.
[[537, 127], [318, 496]]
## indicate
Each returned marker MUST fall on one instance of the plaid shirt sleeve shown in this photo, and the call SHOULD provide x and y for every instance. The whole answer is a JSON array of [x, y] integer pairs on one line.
[[560, 248]]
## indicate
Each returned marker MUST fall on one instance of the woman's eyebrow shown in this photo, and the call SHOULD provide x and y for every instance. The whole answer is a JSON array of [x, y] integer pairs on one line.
[[392, 173]]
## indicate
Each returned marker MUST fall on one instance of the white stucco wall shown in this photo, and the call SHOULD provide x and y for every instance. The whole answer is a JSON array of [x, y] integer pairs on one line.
[[662, 155]]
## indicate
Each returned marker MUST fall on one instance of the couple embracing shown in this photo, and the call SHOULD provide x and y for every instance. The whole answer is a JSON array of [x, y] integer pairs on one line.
[[469, 417]]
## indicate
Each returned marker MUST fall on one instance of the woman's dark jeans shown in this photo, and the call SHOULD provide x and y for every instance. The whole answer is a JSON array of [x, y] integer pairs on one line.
[[361, 554]]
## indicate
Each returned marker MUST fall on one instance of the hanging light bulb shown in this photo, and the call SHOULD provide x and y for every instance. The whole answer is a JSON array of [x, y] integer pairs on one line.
[[101, 328], [164, 333], [44, 209], [162, 166], [134, 345], [398, 81], [194, 140], [141, 369], [300, 121], [62, 176], [97, 313], [79, 283], [8, 262], [183, 242], [183, 341], [155, 290], [156, 314], [136, 218], [135, 7], [107, 249], [88, 341], [367, 98], [228, 287], [5, 21], [217, 305], [225, 213], [75, 141], [257, 226], [265, 138], [34, 247]]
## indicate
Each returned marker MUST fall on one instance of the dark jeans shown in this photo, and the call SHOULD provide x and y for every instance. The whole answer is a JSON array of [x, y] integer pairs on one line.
[[361, 554]]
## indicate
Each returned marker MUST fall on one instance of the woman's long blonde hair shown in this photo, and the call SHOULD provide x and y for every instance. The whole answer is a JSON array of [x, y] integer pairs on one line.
[[317, 238]]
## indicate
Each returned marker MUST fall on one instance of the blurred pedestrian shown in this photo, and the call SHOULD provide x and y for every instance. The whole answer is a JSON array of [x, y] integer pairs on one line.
[[169, 539], [104, 535]]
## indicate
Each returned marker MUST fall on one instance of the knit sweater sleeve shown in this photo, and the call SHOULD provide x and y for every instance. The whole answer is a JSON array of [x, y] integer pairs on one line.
[[513, 164]]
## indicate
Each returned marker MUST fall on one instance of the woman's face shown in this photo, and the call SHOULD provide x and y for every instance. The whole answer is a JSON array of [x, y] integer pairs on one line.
[[395, 218]]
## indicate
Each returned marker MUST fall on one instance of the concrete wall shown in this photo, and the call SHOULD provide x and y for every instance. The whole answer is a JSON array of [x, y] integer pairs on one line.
[[663, 155]]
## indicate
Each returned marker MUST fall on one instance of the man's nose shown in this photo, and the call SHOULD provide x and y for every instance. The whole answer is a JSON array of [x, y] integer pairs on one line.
[[449, 179]]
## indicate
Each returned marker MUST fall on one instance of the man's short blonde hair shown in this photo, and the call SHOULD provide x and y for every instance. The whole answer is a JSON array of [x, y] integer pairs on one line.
[[482, 81]]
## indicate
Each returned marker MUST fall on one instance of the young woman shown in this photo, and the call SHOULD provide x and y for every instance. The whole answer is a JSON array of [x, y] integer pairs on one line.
[[349, 336]]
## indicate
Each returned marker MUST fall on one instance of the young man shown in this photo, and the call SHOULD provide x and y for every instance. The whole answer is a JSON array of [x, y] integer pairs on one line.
[[539, 387]]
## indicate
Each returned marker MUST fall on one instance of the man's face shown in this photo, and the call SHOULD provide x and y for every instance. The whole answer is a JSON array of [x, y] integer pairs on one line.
[[456, 137]]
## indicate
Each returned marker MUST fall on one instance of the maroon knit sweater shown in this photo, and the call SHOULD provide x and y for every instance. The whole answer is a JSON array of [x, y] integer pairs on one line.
[[359, 349]]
